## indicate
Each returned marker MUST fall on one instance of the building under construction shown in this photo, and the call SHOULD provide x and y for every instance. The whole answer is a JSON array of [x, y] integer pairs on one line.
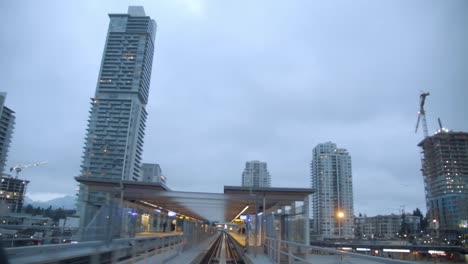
[[12, 192], [445, 172]]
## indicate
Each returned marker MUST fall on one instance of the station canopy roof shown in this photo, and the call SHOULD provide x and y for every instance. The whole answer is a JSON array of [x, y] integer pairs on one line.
[[222, 207]]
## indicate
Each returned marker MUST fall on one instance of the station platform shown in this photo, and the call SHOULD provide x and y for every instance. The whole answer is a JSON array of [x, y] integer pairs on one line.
[[240, 238], [255, 257], [135, 206]]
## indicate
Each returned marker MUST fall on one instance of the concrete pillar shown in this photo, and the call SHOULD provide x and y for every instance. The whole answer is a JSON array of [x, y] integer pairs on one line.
[[158, 223], [306, 221], [165, 224], [256, 225], [151, 223], [263, 221], [109, 223]]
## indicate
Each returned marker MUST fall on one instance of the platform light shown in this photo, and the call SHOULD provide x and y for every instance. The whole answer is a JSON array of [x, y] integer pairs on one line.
[[243, 210], [150, 204], [362, 249], [397, 250], [170, 213]]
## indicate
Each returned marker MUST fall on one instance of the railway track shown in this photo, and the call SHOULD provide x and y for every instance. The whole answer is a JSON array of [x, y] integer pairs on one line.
[[222, 251]]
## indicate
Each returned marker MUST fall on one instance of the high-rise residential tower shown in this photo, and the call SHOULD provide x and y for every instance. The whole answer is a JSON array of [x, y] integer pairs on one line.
[[445, 173], [331, 205], [7, 123], [12, 191], [256, 174], [114, 141]]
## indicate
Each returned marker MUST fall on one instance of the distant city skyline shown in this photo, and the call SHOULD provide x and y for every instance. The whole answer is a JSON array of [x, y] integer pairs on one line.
[[269, 86]]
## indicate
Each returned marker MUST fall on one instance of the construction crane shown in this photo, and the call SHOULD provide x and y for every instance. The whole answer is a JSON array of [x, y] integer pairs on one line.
[[19, 167], [422, 113]]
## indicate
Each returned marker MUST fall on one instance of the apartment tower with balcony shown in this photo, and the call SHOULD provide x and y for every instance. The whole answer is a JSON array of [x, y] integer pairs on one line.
[[256, 174], [331, 205], [114, 141]]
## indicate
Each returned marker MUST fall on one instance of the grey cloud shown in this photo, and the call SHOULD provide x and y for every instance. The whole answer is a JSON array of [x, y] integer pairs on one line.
[[247, 80]]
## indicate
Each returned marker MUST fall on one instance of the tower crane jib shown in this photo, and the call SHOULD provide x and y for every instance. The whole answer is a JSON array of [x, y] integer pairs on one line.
[[19, 167], [422, 114]]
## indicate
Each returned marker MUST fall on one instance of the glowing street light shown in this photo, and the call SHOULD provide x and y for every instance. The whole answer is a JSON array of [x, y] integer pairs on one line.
[[340, 214]]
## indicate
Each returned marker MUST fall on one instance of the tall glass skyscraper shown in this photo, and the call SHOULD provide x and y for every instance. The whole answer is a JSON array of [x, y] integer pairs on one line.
[[114, 141], [331, 205]]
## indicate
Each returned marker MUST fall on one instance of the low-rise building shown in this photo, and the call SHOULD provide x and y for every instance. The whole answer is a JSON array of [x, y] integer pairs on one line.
[[386, 226], [25, 220]]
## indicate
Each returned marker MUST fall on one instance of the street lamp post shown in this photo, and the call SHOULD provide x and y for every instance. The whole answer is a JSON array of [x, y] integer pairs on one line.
[[436, 228], [340, 215]]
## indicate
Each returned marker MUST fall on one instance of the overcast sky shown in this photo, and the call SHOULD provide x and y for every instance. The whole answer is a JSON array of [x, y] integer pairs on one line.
[[245, 80]]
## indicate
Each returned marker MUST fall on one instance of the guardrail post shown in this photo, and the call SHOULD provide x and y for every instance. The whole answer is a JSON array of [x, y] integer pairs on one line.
[[290, 255], [278, 253], [146, 256], [133, 251], [94, 259]]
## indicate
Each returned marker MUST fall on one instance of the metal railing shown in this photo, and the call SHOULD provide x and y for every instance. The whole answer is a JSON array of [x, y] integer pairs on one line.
[[126, 250], [280, 251], [157, 246]]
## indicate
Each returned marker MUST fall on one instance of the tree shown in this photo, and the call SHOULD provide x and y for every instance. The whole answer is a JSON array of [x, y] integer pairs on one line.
[[404, 225], [422, 221], [55, 214], [29, 209], [357, 231], [417, 212]]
